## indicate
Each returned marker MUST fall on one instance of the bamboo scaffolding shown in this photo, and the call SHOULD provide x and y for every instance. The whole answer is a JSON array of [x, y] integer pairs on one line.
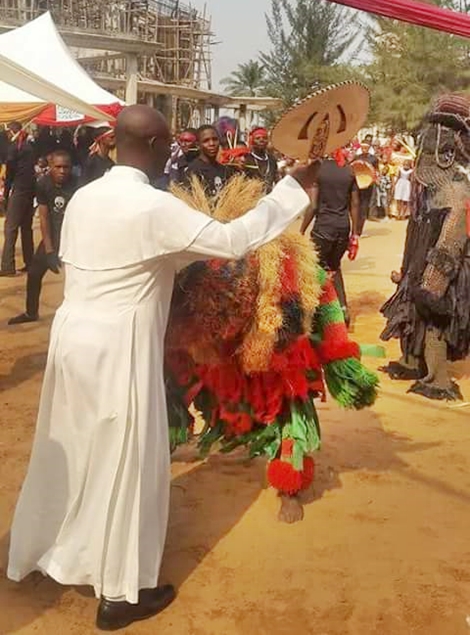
[[182, 35]]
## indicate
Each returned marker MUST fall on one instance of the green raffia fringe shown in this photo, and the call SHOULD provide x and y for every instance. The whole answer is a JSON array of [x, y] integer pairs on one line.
[[351, 384], [322, 276], [178, 436], [304, 430], [300, 424], [372, 350], [262, 440], [180, 420], [330, 313]]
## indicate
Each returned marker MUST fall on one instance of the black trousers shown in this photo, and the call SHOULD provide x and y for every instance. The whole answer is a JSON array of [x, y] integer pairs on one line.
[[19, 217], [37, 271], [331, 247], [365, 201]]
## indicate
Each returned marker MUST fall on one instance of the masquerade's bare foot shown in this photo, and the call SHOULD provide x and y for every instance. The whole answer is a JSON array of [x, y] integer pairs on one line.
[[291, 509]]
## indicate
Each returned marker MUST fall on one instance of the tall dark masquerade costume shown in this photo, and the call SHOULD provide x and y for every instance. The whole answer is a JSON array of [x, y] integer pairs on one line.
[[252, 342], [430, 312]]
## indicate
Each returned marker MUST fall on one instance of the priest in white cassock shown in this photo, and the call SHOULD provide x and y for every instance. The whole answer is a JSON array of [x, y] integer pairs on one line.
[[93, 509]]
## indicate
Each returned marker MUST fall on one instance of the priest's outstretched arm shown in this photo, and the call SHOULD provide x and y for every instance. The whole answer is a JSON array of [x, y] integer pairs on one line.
[[273, 214]]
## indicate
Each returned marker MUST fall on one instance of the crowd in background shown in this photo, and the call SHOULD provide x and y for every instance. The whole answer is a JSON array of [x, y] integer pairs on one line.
[[28, 157], [41, 168], [390, 158]]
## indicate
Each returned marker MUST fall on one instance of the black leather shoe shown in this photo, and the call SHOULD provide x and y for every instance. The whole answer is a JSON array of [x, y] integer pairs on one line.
[[23, 318], [115, 615]]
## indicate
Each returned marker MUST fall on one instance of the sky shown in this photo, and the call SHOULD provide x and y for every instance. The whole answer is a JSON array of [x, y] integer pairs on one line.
[[240, 27]]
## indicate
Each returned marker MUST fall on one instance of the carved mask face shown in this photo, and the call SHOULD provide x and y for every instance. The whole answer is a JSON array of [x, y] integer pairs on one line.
[[436, 155]]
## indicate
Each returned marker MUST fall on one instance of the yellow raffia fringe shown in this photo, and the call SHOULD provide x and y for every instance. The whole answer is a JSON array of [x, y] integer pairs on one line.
[[195, 196], [258, 345], [235, 199], [238, 197]]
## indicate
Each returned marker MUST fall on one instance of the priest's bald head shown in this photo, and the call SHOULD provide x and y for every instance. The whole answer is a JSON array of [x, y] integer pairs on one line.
[[143, 139]]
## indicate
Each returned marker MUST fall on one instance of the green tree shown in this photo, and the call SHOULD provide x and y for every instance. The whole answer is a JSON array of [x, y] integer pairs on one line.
[[313, 42], [247, 80], [410, 66]]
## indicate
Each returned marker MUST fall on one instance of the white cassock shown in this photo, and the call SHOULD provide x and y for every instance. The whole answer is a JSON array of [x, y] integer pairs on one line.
[[93, 509]]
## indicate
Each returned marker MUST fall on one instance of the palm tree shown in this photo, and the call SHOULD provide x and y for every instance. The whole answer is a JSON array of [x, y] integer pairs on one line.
[[247, 80], [313, 43]]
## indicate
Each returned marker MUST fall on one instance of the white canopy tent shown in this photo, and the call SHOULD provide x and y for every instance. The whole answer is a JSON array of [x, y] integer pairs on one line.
[[41, 78]]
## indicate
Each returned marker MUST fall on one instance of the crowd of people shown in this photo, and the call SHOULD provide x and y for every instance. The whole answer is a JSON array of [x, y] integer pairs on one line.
[[45, 168], [42, 172]]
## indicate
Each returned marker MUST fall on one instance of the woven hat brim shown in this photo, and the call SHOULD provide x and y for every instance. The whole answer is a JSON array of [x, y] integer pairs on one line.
[[343, 106]]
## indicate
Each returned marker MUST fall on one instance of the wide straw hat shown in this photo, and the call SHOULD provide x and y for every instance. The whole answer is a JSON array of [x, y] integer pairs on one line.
[[323, 122], [364, 173]]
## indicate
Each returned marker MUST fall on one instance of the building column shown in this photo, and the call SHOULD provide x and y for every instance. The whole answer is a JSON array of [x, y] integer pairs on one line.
[[164, 103], [216, 113], [174, 114], [201, 108], [131, 79], [242, 118]]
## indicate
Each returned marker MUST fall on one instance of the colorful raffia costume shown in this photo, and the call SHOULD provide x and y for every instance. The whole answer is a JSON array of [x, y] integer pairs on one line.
[[251, 343], [429, 312]]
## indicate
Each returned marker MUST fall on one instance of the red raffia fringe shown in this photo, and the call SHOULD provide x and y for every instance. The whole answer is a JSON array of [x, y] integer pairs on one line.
[[335, 347], [329, 293]]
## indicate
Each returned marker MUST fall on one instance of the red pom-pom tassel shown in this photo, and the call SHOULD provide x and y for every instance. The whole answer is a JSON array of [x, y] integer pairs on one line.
[[283, 477]]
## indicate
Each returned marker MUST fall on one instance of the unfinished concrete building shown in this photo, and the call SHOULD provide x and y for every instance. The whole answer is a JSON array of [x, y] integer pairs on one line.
[[140, 49], [152, 51]]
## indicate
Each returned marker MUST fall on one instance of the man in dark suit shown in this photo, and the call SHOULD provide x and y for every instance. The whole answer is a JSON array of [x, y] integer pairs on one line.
[[20, 184]]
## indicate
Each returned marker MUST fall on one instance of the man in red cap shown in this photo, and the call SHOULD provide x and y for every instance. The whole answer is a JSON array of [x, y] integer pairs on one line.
[[99, 162], [260, 163], [189, 150]]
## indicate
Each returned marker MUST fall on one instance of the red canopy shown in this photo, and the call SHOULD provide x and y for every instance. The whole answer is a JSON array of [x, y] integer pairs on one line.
[[415, 12], [62, 117]]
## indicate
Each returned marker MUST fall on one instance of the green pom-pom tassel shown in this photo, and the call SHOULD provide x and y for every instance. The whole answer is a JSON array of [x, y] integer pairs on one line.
[[351, 384]]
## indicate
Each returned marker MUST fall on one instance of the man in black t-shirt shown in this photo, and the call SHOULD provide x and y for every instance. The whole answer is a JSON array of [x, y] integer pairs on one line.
[[335, 207], [99, 161], [53, 193], [212, 174]]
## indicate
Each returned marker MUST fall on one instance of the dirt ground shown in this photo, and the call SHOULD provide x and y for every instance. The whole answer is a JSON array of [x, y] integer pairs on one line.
[[384, 548]]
